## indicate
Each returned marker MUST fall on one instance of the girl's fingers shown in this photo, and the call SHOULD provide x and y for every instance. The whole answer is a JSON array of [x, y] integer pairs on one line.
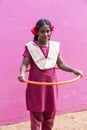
[[20, 78], [79, 73]]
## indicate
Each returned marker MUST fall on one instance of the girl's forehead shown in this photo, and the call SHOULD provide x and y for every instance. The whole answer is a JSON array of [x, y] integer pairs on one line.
[[45, 27]]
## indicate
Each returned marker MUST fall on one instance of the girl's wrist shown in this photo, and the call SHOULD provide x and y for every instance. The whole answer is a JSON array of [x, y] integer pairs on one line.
[[74, 70], [22, 74], [78, 72]]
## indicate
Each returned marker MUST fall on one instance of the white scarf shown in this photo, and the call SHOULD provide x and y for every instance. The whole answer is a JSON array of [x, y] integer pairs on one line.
[[38, 57]]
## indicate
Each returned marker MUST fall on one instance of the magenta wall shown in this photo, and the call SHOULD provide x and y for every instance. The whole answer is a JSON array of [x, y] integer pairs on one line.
[[17, 17]]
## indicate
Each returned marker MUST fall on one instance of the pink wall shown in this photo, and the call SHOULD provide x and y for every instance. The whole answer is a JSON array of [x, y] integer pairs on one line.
[[17, 17]]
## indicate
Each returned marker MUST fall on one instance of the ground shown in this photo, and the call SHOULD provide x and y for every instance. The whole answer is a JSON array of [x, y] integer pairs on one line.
[[71, 121]]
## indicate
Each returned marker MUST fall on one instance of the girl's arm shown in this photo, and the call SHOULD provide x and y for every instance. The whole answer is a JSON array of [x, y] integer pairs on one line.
[[66, 67], [23, 68]]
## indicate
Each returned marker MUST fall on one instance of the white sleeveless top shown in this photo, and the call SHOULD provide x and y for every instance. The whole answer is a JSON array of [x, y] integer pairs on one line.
[[38, 57]]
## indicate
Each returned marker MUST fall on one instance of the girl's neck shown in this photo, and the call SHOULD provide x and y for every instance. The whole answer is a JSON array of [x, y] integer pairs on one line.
[[42, 43]]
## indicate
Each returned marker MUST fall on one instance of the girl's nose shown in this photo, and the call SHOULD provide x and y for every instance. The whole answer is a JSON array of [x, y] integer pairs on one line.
[[45, 33]]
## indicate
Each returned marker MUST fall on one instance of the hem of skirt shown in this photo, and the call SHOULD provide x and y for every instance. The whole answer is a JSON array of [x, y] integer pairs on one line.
[[41, 110]]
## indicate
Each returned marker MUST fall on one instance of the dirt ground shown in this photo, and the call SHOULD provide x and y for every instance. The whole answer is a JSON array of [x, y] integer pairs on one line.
[[71, 121]]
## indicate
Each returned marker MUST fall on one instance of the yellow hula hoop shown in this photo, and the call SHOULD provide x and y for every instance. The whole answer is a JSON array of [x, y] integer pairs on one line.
[[51, 83]]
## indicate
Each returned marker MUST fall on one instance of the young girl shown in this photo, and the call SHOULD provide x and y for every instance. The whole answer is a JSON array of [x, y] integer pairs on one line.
[[42, 54]]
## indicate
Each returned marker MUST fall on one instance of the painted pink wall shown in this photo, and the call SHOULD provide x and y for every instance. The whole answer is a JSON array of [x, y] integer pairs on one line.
[[17, 17]]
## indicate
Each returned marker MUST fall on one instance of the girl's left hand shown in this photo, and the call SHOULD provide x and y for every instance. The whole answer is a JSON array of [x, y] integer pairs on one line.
[[78, 72]]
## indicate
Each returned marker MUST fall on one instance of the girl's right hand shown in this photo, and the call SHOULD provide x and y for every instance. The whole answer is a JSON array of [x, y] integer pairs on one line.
[[21, 78]]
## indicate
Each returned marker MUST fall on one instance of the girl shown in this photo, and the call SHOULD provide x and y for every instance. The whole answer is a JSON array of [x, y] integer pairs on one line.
[[42, 54]]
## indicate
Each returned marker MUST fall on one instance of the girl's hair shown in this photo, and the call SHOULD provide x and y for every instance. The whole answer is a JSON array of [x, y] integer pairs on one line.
[[39, 24]]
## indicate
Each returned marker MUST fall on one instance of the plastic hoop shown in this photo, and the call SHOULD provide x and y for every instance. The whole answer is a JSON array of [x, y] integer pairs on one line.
[[51, 83]]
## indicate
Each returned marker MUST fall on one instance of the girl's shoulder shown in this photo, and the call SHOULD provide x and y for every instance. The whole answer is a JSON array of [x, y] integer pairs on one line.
[[57, 42], [28, 43]]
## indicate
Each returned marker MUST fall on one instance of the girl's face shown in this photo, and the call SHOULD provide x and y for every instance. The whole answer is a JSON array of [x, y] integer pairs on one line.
[[44, 33]]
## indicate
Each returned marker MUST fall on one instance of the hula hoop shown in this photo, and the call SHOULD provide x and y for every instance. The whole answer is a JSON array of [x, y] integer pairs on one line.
[[51, 83]]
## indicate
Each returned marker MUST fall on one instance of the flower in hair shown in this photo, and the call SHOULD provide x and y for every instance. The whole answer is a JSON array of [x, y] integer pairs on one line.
[[52, 28], [33, 31]]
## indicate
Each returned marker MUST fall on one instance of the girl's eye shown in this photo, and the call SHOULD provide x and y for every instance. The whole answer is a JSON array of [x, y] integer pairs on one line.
[[47, 31], [42, 31]]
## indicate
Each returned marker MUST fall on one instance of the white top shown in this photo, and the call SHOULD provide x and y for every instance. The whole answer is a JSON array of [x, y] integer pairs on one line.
[[38, 57]]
